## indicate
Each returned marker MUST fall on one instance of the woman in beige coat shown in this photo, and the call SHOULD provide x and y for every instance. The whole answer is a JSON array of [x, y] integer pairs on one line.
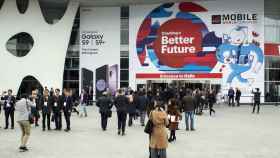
[[158, 140]]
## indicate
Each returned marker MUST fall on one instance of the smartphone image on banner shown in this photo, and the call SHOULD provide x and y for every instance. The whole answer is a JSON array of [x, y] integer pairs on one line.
[[87, 78], [101, 80], [113, 78]]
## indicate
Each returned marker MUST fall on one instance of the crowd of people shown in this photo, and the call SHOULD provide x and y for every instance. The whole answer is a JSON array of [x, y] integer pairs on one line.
[[49, 106], [164, 108]]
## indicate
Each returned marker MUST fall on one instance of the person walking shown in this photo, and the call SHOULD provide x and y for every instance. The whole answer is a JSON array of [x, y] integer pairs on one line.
[[237, 96], [132, 99], [23, 107], [9, 108], [188, 104], [257, 100], [211, 100], [231, 97], [174, 117], [158, 137], [142, 106], [197, 97], [121, 103], [67, 108], [105, 104], [83, 103]]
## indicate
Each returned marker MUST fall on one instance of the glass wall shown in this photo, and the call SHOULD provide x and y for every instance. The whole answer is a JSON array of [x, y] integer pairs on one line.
[[272, 79], [124, 73], [72, 60]]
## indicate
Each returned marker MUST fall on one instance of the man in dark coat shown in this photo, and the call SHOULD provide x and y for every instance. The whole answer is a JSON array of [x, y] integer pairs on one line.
[[46, 110], [188, 104], [230, 97], [211, 101], [257, 100], [133, 101], [105, 104], [9, 108], [121, 103], [57, 108], [67, 108], [142, 107], [237, 96]]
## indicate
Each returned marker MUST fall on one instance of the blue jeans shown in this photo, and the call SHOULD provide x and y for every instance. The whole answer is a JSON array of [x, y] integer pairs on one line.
[[189, 115], [83, 109], [158, 153], [142, 117]]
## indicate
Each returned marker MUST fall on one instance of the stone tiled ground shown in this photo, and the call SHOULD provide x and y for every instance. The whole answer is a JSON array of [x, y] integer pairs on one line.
[[232, 133]]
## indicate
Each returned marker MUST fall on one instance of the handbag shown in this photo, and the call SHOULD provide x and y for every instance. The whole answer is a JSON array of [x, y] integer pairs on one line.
[[149, 127], [30, 116]]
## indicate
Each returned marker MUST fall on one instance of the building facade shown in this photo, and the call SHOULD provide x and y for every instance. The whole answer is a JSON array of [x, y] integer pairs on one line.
[[52, 36]]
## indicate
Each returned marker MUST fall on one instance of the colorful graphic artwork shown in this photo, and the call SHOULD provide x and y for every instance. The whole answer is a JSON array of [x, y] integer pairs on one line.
[[240, 54], [174, 39]]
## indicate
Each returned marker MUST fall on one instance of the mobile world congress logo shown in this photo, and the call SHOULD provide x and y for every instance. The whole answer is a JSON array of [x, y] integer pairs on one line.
[[239, 18]]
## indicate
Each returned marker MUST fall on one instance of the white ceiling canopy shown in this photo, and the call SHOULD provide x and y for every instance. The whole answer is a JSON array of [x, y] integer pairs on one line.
[[272, 7]]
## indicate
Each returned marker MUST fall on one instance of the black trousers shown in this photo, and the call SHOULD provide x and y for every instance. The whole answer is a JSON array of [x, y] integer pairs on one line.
[[172, 135], [57, 120], [36, 116], [211, 108], [256, 104], [67, 116], [230, 101], [104, 120], [46, 116], [121, 120], [237, 101], [130, 119], [9, 114]]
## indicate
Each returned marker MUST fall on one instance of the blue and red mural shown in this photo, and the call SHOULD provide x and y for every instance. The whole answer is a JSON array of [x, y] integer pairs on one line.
[[177, 40]]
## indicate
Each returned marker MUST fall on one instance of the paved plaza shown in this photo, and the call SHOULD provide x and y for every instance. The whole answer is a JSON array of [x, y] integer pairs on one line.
[[231, 133]]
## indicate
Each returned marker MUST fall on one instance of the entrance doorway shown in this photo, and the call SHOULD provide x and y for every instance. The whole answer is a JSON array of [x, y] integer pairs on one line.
[[28, 84], [178, 84]]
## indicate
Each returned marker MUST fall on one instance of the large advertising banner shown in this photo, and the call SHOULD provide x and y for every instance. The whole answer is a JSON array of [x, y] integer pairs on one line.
[[99, 48], [202, 39]]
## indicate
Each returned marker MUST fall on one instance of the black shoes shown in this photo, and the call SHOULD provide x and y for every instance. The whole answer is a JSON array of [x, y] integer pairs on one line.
[[67, 130], [119, 133], [23, 149], [171, 139]]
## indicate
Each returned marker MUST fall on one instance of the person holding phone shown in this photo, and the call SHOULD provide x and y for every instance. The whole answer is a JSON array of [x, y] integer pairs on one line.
[[23, 108]]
